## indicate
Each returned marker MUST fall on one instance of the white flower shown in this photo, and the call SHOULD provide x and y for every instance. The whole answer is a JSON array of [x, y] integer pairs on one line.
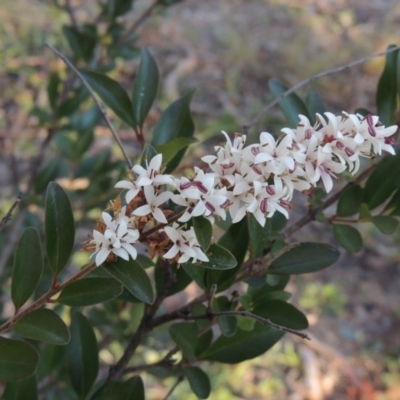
[[116, 239], [153, 204], [133, 189], [152, 175]]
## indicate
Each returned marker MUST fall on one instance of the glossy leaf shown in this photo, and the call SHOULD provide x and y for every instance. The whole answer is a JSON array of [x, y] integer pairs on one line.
[[386, 224], [350, 201], [281, 313], [112, 93], [204, 341], [244, 345], [132, 389], [185, 335], [260, 236], [291, 105], [365, 213], [170, 149], [203, 230], [27, 268], [21, 390], [199, 381], [383, 181], [59, 227], [219, 258], [314, 103], [83, 357], [386, 95], [18, 359], [304, 258], [145, 88], [50, 172], [88, 291], [348, 237], [44, 325], [133, 277]]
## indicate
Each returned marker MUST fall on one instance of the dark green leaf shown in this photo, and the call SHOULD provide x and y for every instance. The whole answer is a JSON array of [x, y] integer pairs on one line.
[[244, 345], [18, 359], [59, 227], [50, 172], [145, 88], [133, 277], [21, 390], [281, 313], [305, 257], [386, 224], [181, 279], [314, 103], [271, 295], [28, 267], [203, 229], [394, 204], [386, 95], [44, 325], [384, 180], [350, 201], [219, 258], [291, 105], [199, 381], [132, 389], [185, 335], [365, 213], [348, 237], [197, 273], [83, 357], [260, 236], [88, 291], [148, 153], [204, 341], [112, 93], [228, 324], [53, 89], [116, 8], [170, 149], [81, 43]]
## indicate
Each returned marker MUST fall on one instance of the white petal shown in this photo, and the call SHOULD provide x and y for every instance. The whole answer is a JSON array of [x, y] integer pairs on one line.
[[172, 252], [131, 250], [143, 210], [102, 256], [159, 216], [172, 233], [121, 252]]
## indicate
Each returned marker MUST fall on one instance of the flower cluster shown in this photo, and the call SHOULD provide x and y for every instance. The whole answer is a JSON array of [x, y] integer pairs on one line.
[[258, 179]]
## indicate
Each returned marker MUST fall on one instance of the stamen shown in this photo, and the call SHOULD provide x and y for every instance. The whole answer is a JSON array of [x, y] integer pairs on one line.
[[270, 190], [210, 206]]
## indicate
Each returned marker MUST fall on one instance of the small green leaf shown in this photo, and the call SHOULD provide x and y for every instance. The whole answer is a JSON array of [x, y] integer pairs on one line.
[[53, 86], [365, 213], [50, 172], [199, 381], [228, 324], [244, 345], [21, 390], [219, 258], [83, 355], [27, 268], [145, 88], [133, 277], [305, 257], [348, 237], [386, 95], [81, 43], [181, 279], [44, 325], [59, 227], [350, 201], [88, 291], [203, 230], [260, 236], [132, 389], [291, 105], [314, 103], [386, 224], [185, 335], [170, 149], [383, 181], [112, 93], [281, 313], [18, 359]]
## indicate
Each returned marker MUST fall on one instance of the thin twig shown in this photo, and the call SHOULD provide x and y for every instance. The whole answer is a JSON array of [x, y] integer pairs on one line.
[[97, 101], [310, 80], [180, 379], [7, 217]]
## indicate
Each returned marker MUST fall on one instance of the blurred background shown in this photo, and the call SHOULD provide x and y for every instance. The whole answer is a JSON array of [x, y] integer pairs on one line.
[[227, 50]]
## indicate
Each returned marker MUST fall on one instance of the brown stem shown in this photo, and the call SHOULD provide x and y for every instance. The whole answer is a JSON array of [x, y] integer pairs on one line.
[[156, 228], [7, 217]]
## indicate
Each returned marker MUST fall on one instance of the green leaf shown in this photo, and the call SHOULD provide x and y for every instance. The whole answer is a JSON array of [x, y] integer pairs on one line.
[[53, 89], [181, 281], [203, 230], [48, 173], [81, 43], [386, 95], [112, 93], [27, 268], [314, 103], [44, 325], [394, 204], [260, 236], [83, 357], [386, 224], [132, 389], [350, 201], [197, 273], [219, 258], [133, 277], [365, 213], [244, 345], [145, 88], [281, 313], [59, 227], [383, 181], [348, 237], [18, 359], [305, 257], [199, 381], [170, 149], [204, 341], [88, 291], [148, 153], [21, 390], [185, 335], [228, 324], [291, 105]]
